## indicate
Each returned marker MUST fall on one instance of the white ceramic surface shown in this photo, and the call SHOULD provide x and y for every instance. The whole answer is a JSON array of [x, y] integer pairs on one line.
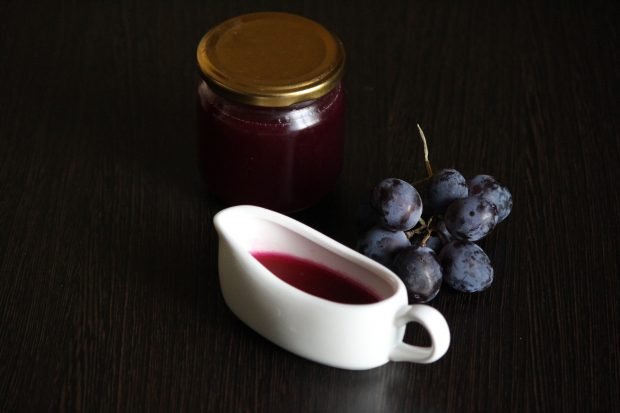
[[349, 336]]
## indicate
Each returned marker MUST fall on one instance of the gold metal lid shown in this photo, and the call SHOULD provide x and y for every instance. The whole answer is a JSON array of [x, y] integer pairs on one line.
[[271, 59]]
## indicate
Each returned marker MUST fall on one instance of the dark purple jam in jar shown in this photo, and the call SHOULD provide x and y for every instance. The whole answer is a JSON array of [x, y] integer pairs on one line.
[[271, 111]]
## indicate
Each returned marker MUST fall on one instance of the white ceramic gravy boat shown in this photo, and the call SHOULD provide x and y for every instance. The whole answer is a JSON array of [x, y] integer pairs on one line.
[[349, 336]]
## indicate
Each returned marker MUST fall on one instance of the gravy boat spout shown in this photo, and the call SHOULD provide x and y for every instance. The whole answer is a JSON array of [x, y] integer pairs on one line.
[[349, 336]]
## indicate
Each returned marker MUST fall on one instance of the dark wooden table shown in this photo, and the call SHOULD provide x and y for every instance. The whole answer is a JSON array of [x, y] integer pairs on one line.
[[109, 296]]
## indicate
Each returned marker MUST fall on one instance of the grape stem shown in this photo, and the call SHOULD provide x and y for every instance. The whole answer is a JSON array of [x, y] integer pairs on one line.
[[429, 232], [426, 238], [427, 163], [424, 226]]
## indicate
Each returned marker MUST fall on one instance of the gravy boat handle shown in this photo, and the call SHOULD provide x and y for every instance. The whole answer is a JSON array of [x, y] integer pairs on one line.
[[437, 328]]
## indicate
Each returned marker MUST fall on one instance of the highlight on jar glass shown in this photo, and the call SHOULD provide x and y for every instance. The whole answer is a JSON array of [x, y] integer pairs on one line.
[[271, 111]]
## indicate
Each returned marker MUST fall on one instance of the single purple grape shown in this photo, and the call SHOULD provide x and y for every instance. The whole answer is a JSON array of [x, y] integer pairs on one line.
[[465, 266], [490, 189], [419, 270], [382, 245], [470, 218], [444, 187], [397, 203]]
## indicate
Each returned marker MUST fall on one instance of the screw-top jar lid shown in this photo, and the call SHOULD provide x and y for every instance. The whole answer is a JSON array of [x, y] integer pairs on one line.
[[271, 59]]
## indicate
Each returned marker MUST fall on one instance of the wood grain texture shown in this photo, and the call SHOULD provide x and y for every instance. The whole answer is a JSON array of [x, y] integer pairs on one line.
[[109, 299]]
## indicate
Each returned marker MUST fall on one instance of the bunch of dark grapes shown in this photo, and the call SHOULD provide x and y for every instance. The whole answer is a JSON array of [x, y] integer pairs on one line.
[[442, 249]]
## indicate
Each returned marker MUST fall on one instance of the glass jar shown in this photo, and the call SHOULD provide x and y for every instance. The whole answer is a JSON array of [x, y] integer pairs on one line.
[[271, 111]]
